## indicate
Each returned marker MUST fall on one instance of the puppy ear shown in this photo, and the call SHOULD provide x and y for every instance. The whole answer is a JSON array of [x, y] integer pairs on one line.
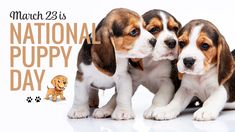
[[137, 63], [225, 62], [53, 81], [179, 26], [103, 55]]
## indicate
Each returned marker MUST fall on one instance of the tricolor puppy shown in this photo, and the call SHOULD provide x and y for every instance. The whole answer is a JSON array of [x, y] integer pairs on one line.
[[105, 65], [157, 67], [160, 72], [208, 72]]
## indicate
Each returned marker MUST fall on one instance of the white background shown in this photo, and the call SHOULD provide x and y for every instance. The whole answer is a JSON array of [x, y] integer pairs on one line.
[[17, 115]]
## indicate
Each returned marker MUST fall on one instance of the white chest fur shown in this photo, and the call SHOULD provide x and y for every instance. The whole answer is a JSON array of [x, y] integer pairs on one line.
[[153, 73], [202, 86]]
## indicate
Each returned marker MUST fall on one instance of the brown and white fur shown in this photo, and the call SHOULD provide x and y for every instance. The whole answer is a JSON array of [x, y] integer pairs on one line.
[[157, 67], [105, 65], [207, 67]]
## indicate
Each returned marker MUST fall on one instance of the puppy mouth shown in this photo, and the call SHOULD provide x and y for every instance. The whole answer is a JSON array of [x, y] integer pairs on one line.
[[141, 54], [191, 72], [60, 87], [168, 56], [135, 54]]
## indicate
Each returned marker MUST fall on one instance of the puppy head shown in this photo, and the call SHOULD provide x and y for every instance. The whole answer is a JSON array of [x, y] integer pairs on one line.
[[122, 35], [164, 27], [59, 82], [202, 46]]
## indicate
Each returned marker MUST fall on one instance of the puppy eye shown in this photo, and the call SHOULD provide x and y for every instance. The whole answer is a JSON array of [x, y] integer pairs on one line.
[[154, 30], [175, 29], [58, 81], [182, 44], [204, 46], [134, 32]]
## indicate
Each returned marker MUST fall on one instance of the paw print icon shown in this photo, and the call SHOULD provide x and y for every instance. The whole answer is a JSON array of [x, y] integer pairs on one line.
[[29, 99], [38, 99]]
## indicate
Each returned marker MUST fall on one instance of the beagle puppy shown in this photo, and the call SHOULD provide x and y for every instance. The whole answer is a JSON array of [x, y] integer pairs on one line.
[[102, 66], [59, 82], [159, 70], [207, 67]]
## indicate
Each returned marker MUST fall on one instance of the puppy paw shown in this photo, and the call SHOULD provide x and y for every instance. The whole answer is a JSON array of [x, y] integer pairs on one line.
[[148, 113], [164, 113], [122, 114], [78, 113], [102, 112], [204, 114]]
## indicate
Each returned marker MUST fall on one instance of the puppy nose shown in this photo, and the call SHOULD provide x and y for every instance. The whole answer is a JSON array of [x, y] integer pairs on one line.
[[153, 41], [170, 43], [188, 62]]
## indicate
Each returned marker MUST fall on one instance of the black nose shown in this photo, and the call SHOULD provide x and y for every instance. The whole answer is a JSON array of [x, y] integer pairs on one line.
[[170, 43], [188, 62], [153, 41]]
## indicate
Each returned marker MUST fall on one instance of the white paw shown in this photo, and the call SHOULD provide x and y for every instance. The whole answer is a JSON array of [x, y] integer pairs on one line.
[[81, 112], [165, 113], [122, 114], [148, 113], [204, 114], [102, 112]]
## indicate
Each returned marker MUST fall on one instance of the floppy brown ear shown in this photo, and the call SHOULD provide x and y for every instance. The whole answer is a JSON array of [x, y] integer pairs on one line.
[[103, 55], [137, 63], [53, 81], [225, 64]]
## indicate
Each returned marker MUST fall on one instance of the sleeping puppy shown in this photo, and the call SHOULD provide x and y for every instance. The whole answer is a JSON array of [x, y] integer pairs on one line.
[[208, 73], [157, 74], [105, 65]]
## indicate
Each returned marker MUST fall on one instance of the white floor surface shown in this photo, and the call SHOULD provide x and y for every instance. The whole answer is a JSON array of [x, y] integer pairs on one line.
[[51, 116]]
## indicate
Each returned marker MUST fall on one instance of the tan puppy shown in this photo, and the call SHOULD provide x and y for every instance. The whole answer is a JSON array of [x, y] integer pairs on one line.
[[59, 82]]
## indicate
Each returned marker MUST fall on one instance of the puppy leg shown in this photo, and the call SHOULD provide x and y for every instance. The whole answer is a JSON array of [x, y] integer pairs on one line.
[[180, 101], [108, 109], [47, 96], [80, 108], [93, 98], [212, 106], [161, 98], [62, 96], [123, 110], [54, 97], [230, 106]]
